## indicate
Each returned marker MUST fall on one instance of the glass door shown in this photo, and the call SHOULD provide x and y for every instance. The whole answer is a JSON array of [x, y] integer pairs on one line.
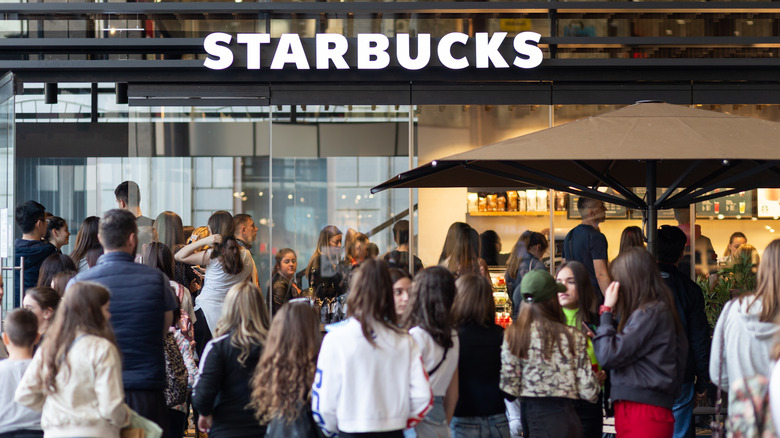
[[7, 186]]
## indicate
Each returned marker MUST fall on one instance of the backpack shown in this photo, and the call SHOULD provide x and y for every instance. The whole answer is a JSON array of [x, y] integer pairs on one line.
[[749, 414], [175, 373]]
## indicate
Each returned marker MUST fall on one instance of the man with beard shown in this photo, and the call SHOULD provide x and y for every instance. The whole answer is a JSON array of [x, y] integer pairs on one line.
[[586, 244], [141, 306]]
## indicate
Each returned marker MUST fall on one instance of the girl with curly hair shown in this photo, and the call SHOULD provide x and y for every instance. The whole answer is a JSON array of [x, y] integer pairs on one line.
[[281, 386]]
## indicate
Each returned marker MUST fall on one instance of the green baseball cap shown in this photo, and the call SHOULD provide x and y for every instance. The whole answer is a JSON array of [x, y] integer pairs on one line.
[[539, 286]]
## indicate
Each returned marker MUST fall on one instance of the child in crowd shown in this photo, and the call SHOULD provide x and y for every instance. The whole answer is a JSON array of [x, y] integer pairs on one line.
[[402, 285], [370, 379], [281, 387], [19, 337], [76, 376], [43, 302], [429, 322]]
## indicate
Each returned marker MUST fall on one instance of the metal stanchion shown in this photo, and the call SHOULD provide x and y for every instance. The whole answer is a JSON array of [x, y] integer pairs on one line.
[[4, 268]]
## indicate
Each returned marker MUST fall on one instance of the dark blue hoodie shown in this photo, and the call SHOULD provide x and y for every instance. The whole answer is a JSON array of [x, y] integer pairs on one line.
[[34, 253]]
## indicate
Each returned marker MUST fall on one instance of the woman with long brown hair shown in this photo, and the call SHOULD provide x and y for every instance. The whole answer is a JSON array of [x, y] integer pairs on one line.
[[544, 362], [480, 410], [281, 386], [222, 388], [645, 353], [283, 286], [76, 376], [322, 272], [227, 263], [464, 258], [429, 320], [369, 347], [631, 237], [86, 239], [526, 256], [356, 252], [747, 325]]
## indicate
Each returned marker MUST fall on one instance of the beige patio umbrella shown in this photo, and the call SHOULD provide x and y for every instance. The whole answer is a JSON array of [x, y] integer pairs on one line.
[[643, 145]]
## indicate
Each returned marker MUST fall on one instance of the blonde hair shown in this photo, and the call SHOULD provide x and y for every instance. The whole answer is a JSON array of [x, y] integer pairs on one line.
[[768, 283], [245, 317]]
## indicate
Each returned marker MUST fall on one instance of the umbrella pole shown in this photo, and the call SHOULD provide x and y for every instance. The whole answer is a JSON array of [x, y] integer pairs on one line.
[[652, 212]]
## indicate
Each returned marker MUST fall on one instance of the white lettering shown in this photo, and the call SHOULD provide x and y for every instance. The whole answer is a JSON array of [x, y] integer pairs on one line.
[[487, 50], [253, 41], [403, 51], [523, 47], [445, 50], [326, 53], [290, 50], [223, 54], [372, 51]]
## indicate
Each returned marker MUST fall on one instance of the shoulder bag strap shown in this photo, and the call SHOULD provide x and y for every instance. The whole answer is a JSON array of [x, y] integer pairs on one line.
[[443, 358]]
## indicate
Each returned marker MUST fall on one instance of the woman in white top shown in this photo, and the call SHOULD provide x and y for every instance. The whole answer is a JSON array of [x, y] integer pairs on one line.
[[76, 376], [430, 324], [227, 263], [370, 377]]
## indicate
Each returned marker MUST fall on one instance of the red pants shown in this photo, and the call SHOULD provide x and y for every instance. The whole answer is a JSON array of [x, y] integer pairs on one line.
[[639, 420]]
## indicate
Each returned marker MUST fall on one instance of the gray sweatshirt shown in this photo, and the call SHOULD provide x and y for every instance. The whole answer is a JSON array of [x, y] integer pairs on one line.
[[748, 343]]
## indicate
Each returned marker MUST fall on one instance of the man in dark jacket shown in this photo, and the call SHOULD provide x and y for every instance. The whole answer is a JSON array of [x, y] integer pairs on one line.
[[30, 216], [142, 304], [690, 305]]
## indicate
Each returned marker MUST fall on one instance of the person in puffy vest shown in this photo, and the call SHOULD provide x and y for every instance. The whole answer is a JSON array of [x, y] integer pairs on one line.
[[142, 304]]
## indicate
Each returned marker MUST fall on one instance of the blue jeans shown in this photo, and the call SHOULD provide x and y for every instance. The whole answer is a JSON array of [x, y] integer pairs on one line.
[[434, 425], [683, 412], [493, 426]]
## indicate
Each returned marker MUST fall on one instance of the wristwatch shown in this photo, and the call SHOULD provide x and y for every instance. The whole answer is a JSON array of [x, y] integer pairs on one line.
[[604, 308]]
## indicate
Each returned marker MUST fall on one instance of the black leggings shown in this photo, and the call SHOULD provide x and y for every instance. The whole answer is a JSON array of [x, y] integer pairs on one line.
[[202, 332]]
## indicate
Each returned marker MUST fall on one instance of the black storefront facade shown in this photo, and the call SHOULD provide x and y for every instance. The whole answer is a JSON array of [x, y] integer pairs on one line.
[[322, 101]]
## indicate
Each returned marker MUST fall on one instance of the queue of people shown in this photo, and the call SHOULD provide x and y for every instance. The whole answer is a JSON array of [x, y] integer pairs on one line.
[[132, 336]]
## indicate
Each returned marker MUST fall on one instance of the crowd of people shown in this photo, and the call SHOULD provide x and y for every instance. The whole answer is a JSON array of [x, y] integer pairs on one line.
[[145, 324]]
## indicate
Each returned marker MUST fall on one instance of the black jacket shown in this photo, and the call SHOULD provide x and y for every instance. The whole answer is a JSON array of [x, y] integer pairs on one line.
[[646, 361], [34, 253], [222, 389], [690, 306]]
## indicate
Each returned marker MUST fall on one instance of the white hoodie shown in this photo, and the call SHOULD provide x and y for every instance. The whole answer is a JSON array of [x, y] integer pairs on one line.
[[361, 388], [748, 343]]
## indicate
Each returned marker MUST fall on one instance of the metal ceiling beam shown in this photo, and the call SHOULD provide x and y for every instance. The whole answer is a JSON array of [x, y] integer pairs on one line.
[[21, 10]]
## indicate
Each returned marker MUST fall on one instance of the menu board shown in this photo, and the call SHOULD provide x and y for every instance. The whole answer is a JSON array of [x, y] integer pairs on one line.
[[662, 214], [732, 206], [768, 201], [613, 211]]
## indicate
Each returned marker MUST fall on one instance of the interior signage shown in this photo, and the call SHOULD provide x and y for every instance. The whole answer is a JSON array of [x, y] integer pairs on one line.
[[372, 51]]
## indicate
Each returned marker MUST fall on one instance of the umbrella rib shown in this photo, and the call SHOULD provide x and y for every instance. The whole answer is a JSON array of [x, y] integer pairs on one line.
[[676, 183], [566, 187], [415, 174], [705, 180], [686, 201], [611, 182], [565, 183], [737, 177]]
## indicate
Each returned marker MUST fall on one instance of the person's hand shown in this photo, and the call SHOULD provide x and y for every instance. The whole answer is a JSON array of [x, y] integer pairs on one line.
[[611, 294], [698, 397], [216, 239], [601, 376], [205, 422]]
